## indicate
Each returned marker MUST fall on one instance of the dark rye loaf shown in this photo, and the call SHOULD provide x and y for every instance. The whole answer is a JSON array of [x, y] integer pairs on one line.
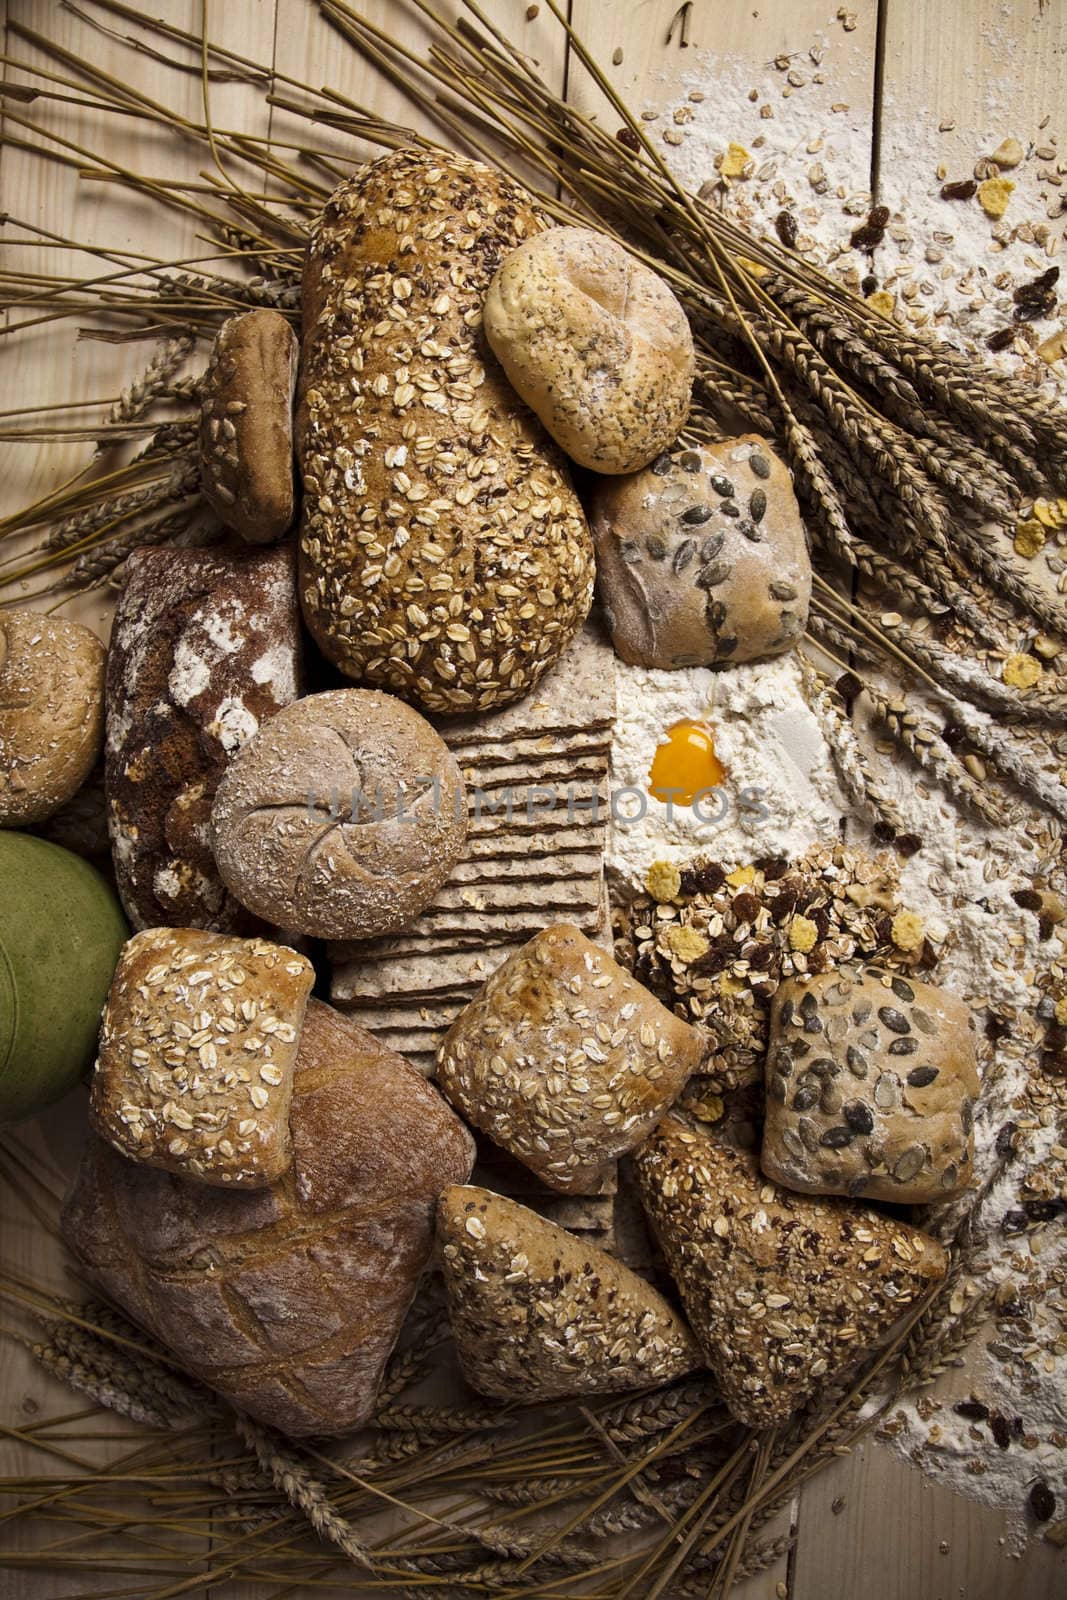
[[287, 1300], [444, 554], [205, 648]]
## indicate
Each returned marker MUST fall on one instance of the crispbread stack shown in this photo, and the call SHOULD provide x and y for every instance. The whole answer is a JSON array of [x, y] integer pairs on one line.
[[540, 864]]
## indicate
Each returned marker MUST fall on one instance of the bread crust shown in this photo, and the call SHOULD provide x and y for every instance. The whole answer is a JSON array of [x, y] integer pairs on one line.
[[596, 344], [246, 425], [444, 553], [343, 818], [287, 1300], [702, 559], [564, 1060], [51, 713], [205, 648], [784, 1292]]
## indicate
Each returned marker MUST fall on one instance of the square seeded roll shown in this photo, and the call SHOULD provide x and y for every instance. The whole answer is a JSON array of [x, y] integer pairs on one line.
[[871, 1081], [785, 1292], [199, 1040], [565, 1060]]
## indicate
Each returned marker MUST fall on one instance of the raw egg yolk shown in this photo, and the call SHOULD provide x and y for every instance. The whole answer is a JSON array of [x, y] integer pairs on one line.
[[684, 764]]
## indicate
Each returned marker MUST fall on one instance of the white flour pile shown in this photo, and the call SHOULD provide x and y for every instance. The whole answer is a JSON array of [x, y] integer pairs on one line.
[[951, 268]]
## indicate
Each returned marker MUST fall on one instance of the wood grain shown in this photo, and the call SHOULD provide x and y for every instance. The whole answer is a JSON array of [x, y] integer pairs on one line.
[[993, 67]]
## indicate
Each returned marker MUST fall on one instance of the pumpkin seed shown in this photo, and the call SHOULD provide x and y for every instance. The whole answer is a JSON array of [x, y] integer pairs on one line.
[[690, 460], [809, 1133], [950, 1176], [696, 515], [793, 1144], [904, 1047], [857, 1061], [924, 1023], [729, 509], [683, 555], [722, 485], [837, 1138], [910, 1164], [902, 989], [716, 572], [656, 547], [750, 531], [757, 504], [630, 552], [893, 1019], [861, 1011], [661, 466], [781, 591], [859, 1116], [806, 1098], [711, 546], [777, 1087], [785, 1015], [760, 466], [887, 1091], [830, 1101]]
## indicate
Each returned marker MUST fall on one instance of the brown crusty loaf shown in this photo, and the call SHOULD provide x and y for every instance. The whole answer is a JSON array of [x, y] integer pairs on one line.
[[205, 648], [538, 1314], [871, 1084], [785, 1292], [444, 554], [246, 425], [197, 1050], [702, 559], [564, 1060], [342, 818], [594, 342], [286, 1300], [51, 713]]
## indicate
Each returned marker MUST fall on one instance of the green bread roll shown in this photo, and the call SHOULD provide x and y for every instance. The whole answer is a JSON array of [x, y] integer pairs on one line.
[[61, 930]]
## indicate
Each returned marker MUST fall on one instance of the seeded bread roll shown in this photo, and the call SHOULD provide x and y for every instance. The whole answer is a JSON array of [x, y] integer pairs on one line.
[[342, 818], [538, 1314], [784, 1292], [195, 1070], [287, 1300], [51, 713], [596, 344], [702, 559], [444, 554], [871, 1081], [246, 425], [564, 1060], [205, 648]]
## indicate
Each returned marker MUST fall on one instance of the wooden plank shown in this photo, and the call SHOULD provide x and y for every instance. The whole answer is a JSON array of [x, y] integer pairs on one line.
[[874, 1527]]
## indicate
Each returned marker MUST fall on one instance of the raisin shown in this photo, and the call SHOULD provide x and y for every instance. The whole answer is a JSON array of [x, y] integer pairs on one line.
[[973, 1410], [1000, 340], [785, 226], [628, 137], [1000, 1428], [1042, 1501], [1035, 310], [959, 191]]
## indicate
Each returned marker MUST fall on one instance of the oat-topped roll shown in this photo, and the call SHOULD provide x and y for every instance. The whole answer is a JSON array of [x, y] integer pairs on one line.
[[784, 1292], [538, 1314], [444, 554], [871, 1080], [564, 1060], [195, 1072]]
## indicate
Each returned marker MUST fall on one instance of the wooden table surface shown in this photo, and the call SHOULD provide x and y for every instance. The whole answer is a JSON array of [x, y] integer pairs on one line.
[[871, 1527]]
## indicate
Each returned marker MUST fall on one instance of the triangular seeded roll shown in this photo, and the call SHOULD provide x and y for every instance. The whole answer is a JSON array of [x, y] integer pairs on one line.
[[539, 1315], [784, 1291]]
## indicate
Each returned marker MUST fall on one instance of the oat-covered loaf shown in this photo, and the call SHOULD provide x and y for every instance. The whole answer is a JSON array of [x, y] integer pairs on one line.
[[195, 1066], [702, 559], [444, 554], [286, 1300], [246, 425], [51, 713], [871, 1082], [784, 1292], [342, 818], [596, 343], [205, 648], [565, 1060], [538, 1314]]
